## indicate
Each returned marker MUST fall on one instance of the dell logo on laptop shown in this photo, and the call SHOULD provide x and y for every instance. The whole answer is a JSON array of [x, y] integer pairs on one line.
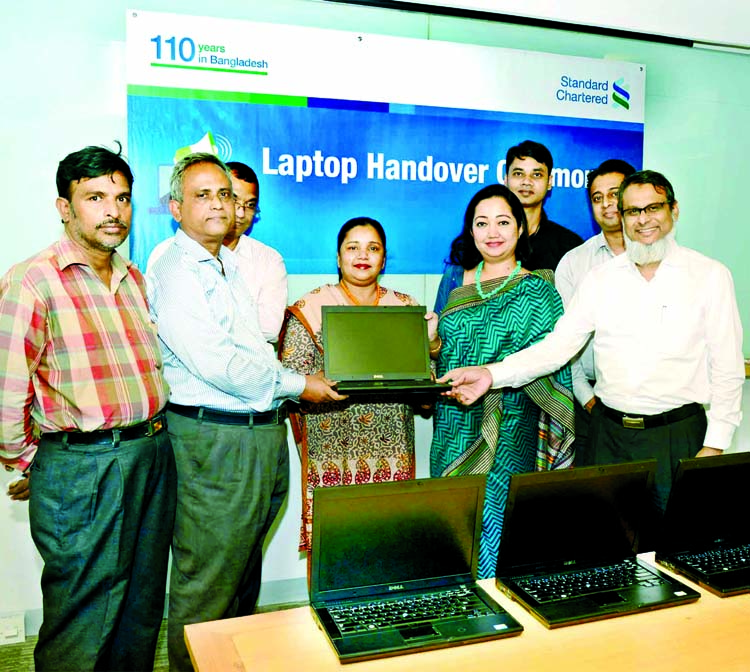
[[398, 586]]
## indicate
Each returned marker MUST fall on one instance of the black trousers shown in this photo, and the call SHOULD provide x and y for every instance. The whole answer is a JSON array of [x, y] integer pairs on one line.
[[582, 444], [612, 443], [101, 518]]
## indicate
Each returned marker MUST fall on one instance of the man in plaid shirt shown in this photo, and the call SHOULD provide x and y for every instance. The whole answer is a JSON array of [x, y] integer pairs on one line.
[[81, 401]]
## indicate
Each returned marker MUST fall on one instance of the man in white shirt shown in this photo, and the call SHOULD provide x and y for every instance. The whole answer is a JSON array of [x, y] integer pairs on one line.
[[226, 410], [603, 184], [667, 340], [261, 267]]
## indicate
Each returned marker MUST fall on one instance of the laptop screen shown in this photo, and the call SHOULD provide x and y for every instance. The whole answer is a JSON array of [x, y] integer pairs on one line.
[[395, 536], [375, 342], [572, 517], [707, 504]]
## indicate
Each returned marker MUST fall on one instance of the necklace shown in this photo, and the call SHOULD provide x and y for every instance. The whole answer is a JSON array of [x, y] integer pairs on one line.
[[354, 300], [478, 282]]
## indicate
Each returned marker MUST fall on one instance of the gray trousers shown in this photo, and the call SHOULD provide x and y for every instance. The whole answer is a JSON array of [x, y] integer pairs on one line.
[[231, 483], [101, 518]]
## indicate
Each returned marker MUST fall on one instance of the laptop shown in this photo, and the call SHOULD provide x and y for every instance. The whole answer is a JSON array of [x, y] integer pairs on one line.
[[568, 547], [394, 568], [378, 349], [706, 531]]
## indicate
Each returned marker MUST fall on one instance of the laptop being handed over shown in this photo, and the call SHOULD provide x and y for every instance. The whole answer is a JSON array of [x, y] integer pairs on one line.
[[394, 567], [569, 542], [706, 532], [378, 349]]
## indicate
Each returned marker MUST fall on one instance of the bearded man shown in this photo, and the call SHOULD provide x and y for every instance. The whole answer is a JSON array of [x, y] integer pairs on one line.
[[667, 342]]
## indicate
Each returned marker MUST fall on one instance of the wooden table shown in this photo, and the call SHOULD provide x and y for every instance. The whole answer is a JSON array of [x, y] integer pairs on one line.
[[710, 635]]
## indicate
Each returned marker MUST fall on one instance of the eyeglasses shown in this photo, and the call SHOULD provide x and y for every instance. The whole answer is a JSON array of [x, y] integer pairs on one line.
[[650, 210], [251, 206]]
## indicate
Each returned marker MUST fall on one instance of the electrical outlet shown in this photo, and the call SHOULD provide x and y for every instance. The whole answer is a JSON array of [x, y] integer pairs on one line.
[[12, 629]]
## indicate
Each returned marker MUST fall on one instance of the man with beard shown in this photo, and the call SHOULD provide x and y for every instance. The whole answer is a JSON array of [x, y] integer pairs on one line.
[[81, 400], [667, 340]]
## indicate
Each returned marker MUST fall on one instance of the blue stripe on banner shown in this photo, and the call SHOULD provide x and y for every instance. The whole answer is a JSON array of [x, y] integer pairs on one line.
[[357, 105]]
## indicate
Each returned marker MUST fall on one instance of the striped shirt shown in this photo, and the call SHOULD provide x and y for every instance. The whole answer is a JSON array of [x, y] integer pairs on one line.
[[75, 354], [214, 352]]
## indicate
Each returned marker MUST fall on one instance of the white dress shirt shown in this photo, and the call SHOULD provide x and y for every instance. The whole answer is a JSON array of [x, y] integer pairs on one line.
[[657, 345], [264, 273], [568, 275], [263, 270], [214, 353]]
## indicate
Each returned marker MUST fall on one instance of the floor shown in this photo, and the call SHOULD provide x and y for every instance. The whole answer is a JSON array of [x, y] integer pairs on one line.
[[20, 657]]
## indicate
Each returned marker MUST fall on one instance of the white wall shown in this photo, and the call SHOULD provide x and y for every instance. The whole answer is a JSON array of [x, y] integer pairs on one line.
[[64, 87]]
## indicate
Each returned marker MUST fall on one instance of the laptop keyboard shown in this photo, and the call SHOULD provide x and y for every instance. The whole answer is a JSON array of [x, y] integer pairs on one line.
[[718, 560], [585, 582], [408, 610]]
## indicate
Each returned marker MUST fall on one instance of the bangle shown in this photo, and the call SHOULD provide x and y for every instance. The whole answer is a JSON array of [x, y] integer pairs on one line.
[[436, 349]]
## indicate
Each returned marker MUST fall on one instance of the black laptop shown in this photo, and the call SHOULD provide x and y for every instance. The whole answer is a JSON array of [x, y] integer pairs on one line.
[[569, 543], [706, 532], [394, 567], [378, 349]]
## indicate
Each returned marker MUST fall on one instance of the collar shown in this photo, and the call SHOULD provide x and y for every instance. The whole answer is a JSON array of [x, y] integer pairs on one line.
[[674, 258], [67, 253], [200, 254]]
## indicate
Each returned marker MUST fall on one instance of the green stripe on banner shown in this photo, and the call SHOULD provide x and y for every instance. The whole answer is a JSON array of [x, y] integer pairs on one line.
[[200, 67], [221, 96]]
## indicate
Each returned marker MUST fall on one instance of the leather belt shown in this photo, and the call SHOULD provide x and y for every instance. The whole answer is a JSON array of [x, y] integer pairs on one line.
[[114, 436], [275, 417], [630, 421]]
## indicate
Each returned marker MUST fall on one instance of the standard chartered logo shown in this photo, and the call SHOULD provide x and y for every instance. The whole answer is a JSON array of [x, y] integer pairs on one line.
[[620, 94]]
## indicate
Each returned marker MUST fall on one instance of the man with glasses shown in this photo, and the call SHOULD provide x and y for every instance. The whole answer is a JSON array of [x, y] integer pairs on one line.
[[603, 184], [261, 267], [667, 341]]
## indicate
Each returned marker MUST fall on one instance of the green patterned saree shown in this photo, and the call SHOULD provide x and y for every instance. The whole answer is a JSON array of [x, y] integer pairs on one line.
[[510, 430]]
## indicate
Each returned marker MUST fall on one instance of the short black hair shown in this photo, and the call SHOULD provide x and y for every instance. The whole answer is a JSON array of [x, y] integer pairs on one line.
[[464, 252], [607, 167], [88, 163], [242, 172], [528, 149], [656, 180]]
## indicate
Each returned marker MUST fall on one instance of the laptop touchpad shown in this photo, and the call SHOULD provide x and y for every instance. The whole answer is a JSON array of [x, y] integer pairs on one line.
[[605, 599], [418, 632]]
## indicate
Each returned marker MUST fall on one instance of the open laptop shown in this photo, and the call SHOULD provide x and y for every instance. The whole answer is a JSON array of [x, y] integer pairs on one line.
[[706, 531], [378, 349], [569, 543], [394, 567]]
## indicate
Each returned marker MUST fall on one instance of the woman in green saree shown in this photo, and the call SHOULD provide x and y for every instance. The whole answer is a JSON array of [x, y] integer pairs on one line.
[[499, 309]]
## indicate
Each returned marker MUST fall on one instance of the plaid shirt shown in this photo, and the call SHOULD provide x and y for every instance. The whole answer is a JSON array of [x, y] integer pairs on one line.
[[74, 354]]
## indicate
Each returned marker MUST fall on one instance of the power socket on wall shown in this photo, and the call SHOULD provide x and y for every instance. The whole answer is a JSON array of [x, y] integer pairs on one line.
[[12, 630]]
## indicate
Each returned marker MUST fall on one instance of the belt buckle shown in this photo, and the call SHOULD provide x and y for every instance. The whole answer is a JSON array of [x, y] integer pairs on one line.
[[154, 426], [633, 423]]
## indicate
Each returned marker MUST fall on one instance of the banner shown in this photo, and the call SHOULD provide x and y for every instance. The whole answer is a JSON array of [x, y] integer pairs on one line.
[[339, 124]]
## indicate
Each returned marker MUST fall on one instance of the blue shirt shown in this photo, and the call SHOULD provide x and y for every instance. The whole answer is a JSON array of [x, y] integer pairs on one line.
[[214, 352]]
